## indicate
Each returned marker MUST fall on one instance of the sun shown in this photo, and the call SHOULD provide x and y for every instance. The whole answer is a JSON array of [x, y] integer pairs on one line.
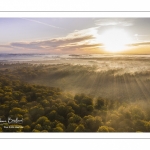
[[115, 40]]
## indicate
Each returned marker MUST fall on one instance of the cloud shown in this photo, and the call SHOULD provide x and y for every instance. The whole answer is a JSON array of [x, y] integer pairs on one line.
[[80, 47], [5, 46], [114, 22], [77, 40], [64, 41], [43, 23], [139, 44], [51, 43], [32, 45]]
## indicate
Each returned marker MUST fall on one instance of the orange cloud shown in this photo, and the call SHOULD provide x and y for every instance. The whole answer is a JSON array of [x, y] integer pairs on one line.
[[77, 40]]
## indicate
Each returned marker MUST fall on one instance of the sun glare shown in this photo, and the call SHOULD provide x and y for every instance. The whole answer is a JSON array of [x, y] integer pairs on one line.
[[115, 40]]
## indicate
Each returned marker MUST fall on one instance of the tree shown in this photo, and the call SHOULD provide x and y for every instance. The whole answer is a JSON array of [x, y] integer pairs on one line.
[[27, 121], [71, 127], [44, 122], [35, 130], [27, 128], [62, 110], [14, 103], [45, 103], [83, 110], [41, 120], [87, 100], [80, 128], [61, 125], [90, 108], [58, 129], [99, 103], [36, 111], [74, 106], [23, 101], [92, 123], [38, 127], [82, 98], [17, 110], [44, 131], [105, 129], [52, 115], [74, 119], [1, 130], [147, 126]]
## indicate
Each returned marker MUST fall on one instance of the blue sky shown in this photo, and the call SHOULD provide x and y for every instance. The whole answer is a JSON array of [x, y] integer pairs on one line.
[[73, 35]]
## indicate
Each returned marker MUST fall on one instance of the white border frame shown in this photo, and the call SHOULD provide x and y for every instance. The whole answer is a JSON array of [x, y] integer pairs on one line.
[[74, 14]]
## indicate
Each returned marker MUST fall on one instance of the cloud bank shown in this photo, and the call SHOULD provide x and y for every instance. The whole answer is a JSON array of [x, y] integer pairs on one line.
[[75, 41], [140, 44], [114, 22]]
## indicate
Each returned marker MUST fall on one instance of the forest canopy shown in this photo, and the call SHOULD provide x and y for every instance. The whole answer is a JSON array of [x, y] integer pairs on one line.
[[51, 109]]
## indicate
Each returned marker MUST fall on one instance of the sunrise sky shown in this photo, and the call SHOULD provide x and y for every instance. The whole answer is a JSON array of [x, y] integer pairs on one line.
[[75, 35]]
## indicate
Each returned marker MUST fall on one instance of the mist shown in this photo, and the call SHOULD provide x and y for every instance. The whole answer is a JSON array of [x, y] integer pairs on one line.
[[112, 91]]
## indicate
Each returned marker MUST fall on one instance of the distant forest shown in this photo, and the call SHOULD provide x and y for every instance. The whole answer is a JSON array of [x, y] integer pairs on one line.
[[28, 91]]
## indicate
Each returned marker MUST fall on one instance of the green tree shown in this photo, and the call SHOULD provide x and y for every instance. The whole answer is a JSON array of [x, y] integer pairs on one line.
[[38, 127], [58, 129], [44, 122], [1, 130], [35, 130], [23, 101], [61, 125], [27, 121], [80, 128], [71, 127], [105, 129], [74, 119], [27, 128], [17, 110], [92, 123], [52, 115], [36, 111], [99, 103]]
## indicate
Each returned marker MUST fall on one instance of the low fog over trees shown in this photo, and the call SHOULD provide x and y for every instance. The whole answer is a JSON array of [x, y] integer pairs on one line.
[[75, 98], [49, 109]]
